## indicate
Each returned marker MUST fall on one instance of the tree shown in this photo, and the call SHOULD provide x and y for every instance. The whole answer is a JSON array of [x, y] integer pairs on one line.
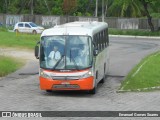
[[146, 4], [69, 6], [124, 8], [56, 7], [4, 5], [85, 7], [134, 8]]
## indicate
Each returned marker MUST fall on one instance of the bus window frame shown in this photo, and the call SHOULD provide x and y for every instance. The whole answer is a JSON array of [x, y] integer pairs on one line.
[[104, 38], [107, 37], [101, 40]]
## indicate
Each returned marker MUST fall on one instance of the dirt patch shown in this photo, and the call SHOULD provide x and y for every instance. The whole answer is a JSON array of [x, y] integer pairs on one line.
[[18, 53], [27, 56]]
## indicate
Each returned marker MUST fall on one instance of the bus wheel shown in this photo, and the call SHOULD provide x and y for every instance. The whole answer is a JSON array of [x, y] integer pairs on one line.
[[104, 76], [93, 91], [103, 80], [49, 91]]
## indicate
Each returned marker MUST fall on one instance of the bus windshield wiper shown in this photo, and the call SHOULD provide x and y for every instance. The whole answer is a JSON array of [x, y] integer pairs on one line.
[[58, 62], [71, 57]]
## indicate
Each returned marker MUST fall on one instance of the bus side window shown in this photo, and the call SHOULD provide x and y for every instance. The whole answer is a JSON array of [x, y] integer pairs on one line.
[[99, 42], [102, 40], [104, 44], [105, 38], [95, 41]]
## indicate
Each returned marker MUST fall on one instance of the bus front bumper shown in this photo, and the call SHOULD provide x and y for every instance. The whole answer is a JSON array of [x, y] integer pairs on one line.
[[81, 84]]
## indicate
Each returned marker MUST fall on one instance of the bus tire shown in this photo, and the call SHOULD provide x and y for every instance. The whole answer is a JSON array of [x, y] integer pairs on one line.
[[103, 80], [93, 91], [104, 76]]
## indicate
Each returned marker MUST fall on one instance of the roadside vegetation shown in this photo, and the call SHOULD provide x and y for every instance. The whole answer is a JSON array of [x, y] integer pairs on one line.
[[133, 32], [112, 8], [9, 65], [11, 39], [28, 41], [145, 76], [3, 29]]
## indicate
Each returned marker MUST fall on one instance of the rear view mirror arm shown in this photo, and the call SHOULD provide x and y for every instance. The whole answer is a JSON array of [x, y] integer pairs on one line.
[[37, 50]]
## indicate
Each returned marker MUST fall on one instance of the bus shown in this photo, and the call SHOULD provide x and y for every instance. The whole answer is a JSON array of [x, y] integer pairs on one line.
[[73, 56]]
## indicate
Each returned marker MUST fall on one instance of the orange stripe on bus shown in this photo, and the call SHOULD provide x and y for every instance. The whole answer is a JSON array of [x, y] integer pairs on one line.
[[84, 84]]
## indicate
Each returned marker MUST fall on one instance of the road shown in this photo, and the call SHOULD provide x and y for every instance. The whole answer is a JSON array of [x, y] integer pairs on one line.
[[20, 90]]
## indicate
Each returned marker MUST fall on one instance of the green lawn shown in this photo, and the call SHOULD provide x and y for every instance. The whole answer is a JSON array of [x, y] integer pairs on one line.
[[145, 75], [10, 39], [9, 65]]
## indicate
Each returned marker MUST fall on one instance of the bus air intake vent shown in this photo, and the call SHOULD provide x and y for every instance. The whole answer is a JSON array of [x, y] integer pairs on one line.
[[65, 78]]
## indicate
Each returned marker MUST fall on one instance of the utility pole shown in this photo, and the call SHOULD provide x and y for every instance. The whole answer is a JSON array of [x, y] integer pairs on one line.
[[102, 10], [96, 11], [106, 10], [31, 7]]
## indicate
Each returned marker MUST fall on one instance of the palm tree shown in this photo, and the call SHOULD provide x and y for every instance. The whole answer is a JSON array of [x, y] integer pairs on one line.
[[125, 8], [133, 8], [146, 4]]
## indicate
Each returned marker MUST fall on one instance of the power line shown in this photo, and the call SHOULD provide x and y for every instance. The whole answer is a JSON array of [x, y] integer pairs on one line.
[[47, 7]]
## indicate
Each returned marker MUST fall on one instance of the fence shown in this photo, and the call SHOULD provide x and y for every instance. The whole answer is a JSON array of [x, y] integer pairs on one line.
[[50, 21]]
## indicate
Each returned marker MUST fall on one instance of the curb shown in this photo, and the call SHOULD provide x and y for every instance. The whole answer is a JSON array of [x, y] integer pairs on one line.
[[139, 90], [129, 36]]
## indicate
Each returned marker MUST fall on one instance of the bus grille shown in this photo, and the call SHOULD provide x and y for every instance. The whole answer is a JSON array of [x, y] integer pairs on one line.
[[65, 78]]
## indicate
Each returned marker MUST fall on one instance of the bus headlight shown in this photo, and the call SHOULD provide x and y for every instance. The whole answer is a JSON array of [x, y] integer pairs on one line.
[[44, 74], [88, 74]]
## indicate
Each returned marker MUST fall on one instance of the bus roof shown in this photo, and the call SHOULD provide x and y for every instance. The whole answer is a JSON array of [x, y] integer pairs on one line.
[[76, 28]]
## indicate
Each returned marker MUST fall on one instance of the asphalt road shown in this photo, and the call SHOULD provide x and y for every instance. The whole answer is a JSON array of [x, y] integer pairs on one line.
[[20, 90]]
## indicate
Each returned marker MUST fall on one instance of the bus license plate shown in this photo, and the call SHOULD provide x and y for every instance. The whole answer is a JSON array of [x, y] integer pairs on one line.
[[66, 86]]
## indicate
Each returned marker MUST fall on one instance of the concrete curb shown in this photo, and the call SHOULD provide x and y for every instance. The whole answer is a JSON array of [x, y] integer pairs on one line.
[[129, 36], [139, 90]]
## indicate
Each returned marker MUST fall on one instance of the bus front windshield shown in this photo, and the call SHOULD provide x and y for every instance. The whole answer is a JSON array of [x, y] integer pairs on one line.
[[66, 52]]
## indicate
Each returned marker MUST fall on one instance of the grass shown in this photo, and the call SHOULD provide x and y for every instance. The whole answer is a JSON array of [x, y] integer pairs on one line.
[[145, 75], [133, 32], [2, 28], [10, 39], [9, 65]]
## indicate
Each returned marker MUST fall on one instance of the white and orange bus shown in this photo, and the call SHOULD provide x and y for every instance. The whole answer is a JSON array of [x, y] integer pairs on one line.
[[82, 59]]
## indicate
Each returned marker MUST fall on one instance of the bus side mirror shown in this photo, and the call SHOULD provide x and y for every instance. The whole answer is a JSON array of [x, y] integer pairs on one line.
[[95, 52], [36, 51]]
